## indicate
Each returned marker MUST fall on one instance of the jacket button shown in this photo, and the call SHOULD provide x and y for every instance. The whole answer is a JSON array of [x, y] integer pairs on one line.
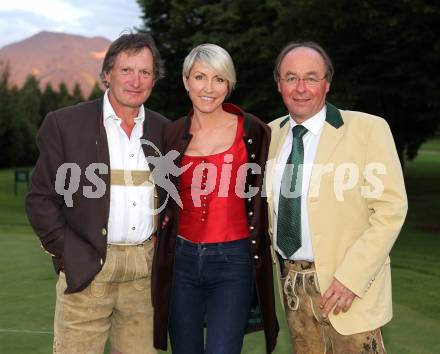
[[251, 228], [253, 156], [253, 242], [103, 232], [256, 257], [101, 261], [251, 213], [250, 141]]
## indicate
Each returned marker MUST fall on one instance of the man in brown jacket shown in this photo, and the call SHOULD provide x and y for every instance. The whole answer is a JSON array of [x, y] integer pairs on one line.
[[92, 204]]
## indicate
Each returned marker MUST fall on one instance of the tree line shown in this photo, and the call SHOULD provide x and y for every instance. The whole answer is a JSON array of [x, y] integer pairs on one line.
[[386, 54], [22, 111]]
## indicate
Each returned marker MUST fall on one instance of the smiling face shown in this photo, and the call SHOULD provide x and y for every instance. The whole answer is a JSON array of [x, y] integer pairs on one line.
[[303, 101], [206, 88], [130, 80]]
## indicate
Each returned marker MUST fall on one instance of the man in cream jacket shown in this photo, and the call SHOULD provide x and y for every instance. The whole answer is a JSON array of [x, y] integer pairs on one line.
[[337, 203]]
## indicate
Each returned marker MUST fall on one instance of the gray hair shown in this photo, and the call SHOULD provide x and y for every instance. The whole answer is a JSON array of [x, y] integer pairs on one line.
[[132, 43], [311, 45], [216, 58]]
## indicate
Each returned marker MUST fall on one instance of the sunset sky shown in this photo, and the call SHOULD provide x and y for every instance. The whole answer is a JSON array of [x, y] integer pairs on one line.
[[20, 19]]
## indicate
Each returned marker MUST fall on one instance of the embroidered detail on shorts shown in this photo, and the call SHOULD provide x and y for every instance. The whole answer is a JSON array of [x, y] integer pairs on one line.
[[289, 291], [373, 343]]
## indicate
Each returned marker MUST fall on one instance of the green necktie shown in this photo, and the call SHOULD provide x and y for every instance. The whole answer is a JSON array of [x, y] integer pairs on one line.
[[289, 207]]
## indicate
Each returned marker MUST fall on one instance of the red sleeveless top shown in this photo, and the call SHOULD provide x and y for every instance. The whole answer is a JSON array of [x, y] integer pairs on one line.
[[212, 211]]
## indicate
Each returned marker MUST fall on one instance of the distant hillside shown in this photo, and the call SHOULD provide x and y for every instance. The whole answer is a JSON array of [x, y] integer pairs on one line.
[[55, 57]]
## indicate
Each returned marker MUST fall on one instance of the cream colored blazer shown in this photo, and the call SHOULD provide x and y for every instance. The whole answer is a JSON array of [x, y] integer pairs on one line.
[[356, 205]]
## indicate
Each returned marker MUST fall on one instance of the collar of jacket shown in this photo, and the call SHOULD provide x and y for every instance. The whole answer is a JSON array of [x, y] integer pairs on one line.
[[228, 107], [332, 117], [100, 107]]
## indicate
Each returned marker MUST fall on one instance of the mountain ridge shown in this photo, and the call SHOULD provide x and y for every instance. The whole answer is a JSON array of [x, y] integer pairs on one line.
[[54, 57]]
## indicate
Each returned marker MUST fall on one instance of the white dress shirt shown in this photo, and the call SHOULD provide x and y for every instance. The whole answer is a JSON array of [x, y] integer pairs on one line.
[[311, 139], [130, 219]]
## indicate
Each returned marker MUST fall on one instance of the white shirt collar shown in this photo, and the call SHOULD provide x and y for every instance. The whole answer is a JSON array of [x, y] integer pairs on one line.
[[314, 124], [109, 112]]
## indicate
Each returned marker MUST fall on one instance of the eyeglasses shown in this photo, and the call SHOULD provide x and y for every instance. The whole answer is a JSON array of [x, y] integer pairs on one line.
[[309, 81]]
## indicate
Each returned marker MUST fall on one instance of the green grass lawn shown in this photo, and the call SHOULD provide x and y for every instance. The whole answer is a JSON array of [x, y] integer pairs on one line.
[[27, 279]]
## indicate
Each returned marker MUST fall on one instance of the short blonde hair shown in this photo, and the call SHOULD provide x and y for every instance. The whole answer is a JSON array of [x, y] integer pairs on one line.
[[216, 58]]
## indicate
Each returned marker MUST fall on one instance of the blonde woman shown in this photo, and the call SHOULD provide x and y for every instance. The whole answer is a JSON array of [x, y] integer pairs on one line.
[[213, 266]]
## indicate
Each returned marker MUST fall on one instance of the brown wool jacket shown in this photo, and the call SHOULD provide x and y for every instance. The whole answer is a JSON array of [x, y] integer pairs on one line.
[[77, 236], [256, 139]]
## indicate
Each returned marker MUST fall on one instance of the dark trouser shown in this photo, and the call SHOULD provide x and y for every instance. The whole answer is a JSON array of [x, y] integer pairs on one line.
[[212, 285]]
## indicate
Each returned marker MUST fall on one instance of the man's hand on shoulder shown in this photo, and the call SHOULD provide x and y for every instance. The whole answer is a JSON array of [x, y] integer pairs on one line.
[[337, 297]]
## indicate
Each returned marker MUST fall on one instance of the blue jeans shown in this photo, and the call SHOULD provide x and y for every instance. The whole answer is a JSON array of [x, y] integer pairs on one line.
[[212, 285]]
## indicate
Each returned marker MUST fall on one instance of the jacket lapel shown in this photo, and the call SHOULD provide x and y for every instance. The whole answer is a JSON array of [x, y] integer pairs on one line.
[[331, 136], [147, 141], [277, 140], [101, 137], [103, 155], [185, 137]]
